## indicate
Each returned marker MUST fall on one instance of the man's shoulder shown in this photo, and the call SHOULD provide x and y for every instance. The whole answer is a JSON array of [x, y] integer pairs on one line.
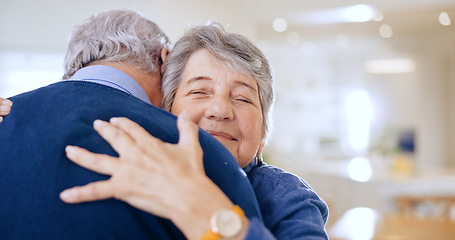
[[89, 99], [41, 124]]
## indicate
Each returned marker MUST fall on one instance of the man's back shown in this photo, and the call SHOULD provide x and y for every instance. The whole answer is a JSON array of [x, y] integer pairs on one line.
[[34, 168]]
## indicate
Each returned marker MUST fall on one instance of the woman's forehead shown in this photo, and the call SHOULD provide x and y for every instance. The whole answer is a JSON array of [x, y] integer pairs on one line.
[[203, 66]]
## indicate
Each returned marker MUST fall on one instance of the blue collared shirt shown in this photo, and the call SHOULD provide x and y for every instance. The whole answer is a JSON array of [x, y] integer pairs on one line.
[[111, 77]]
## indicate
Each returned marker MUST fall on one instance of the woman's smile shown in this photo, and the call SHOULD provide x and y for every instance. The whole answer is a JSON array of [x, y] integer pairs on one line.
[[221, 135]]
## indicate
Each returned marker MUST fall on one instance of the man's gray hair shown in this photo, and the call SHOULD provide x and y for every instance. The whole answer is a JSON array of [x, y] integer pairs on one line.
[[115, 36], [235, 50]]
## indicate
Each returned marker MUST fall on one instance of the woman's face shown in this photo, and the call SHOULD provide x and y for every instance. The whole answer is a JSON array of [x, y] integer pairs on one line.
[[222, 102]]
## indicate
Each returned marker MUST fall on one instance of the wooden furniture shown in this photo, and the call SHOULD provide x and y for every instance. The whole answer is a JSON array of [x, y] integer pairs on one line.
[[426, 207], [367, 223]]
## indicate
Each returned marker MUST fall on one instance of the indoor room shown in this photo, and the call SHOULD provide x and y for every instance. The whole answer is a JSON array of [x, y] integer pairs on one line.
[[365, 95]]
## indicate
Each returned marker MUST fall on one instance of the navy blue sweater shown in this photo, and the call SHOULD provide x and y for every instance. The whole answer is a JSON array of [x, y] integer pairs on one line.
[[34, 168]]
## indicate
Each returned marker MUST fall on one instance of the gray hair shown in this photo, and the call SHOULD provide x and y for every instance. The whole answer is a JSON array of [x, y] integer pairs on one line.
[[235, 50], [116, 36]]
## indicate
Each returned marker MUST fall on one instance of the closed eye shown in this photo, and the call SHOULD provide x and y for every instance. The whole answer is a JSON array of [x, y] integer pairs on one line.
[[245, 100], [199, 92]]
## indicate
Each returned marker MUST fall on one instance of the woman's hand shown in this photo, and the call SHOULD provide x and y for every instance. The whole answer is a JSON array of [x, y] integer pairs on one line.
[[5, 107], [164, 179]]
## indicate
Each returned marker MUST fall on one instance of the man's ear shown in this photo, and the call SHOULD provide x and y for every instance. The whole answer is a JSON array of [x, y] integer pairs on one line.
[[164, 53]]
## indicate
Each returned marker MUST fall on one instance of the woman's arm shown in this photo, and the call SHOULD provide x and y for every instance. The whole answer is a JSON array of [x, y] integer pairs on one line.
[[167, 180], [5, 107], [288, 204]]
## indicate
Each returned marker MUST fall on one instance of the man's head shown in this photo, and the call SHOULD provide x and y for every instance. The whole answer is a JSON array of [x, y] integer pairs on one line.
[[119, 38], [116, 36]]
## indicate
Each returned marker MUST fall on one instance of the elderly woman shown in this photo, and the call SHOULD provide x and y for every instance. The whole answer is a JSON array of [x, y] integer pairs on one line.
[[223, 83]]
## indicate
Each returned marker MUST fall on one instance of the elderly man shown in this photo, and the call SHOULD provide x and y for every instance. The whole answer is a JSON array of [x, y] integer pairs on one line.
[[113, 68]]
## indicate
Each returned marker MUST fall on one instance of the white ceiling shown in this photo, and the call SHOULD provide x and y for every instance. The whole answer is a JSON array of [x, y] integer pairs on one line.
[[45, 23]]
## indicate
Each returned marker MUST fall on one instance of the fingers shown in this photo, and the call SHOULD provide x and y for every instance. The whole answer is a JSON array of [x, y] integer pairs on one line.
[[121, 141], [99, 163], [91, 192], [135, 131], [5, 106], [188, 138], [188, 130]]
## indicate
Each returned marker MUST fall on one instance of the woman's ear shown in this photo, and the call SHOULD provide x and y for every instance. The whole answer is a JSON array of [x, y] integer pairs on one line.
[[261, 146], [164, 53]]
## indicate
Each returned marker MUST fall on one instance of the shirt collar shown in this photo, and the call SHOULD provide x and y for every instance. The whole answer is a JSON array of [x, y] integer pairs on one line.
[[251, 165], [111, 77]]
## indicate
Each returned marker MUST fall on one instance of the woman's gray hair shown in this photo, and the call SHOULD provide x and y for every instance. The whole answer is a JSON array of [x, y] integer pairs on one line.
[[116, 36], [235, 50]]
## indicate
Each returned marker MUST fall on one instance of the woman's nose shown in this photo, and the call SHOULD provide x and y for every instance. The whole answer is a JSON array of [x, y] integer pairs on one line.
[[219, 109]]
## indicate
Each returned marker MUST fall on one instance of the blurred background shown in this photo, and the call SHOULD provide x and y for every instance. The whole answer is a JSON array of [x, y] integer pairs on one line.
[[365, 90]]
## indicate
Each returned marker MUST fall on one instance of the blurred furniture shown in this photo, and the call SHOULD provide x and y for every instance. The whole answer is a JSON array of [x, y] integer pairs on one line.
[[427, 207], [367, 223]]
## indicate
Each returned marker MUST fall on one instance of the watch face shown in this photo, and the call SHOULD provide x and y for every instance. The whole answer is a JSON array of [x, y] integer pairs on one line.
[[227, 223]]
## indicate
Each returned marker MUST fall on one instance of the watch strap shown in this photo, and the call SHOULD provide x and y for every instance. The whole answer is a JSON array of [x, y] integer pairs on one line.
[[211, 235]]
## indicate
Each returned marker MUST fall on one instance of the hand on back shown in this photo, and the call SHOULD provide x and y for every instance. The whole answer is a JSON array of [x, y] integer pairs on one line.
[[5, 107], [152, 175]]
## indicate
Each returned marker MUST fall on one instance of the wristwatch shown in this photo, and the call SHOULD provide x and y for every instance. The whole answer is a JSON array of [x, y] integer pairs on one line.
[[225, 223]]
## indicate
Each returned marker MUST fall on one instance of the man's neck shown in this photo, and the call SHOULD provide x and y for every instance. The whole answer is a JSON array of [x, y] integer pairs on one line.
[[149, 82]]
